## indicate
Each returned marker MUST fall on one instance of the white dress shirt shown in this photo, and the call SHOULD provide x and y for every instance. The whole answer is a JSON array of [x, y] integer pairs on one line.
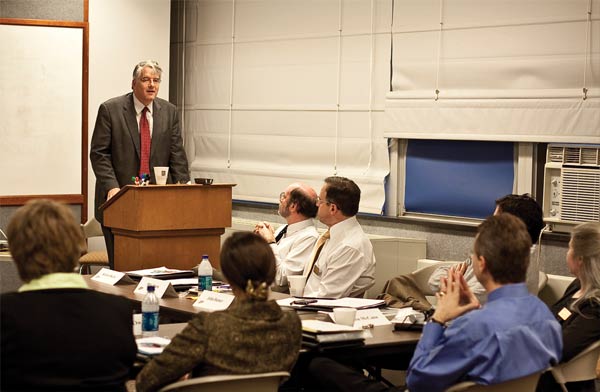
[[532, 277], [293, 251], [346, 265], [139, 106]]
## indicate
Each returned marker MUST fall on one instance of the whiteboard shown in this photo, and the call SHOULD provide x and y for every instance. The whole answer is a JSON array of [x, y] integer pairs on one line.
[[40, 110]]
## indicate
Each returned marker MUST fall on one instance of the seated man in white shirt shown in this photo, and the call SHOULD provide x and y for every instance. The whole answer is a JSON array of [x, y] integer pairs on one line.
[[293, 243], [529, 211], [345, 265]]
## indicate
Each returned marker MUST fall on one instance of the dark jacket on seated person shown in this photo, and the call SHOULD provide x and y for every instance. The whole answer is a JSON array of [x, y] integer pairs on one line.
[[579, 331], [248, 337], [70, 339]]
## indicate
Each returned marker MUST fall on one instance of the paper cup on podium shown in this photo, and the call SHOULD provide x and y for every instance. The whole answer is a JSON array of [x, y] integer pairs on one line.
[[344, 316], [161, 173], [297, 283]]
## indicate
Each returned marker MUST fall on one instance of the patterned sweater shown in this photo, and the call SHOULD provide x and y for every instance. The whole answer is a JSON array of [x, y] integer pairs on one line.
[[248, 337]]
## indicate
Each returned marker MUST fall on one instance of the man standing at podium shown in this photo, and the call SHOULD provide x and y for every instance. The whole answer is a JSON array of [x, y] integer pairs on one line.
[[134, 133]]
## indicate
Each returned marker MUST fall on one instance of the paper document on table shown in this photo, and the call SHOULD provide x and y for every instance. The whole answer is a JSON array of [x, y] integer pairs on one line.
[[210, 301], [409, 319], [370, 318], [356, 303], [111, 277], [317, 326], [162, 273], [183, 281], [162, 287], [152, 345], [409, 315]]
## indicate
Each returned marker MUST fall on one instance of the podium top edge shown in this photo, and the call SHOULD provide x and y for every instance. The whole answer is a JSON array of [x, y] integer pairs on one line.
[[154, 186]]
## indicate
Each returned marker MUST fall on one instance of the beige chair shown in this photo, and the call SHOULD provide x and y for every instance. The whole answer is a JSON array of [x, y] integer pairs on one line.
[[543, 280], [580, 368], [261, 382], [92, 228], [523, 384]]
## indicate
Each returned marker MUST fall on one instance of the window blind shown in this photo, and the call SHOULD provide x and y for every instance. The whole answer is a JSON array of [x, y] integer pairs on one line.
[[276, 92], [495, 70]]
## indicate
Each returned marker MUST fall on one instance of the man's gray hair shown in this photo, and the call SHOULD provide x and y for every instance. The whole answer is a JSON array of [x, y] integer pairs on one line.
[[146, 63]]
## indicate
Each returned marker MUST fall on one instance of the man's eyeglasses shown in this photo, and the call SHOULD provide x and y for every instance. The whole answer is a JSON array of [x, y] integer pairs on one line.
[[321, 201], [282, 196], [147, 80]]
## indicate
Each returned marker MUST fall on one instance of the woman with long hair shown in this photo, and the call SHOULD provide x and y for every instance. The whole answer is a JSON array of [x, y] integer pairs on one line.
[[578, 311]]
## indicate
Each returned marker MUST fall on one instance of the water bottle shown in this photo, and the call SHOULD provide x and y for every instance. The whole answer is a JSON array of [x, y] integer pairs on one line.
[[150, 313], [205, 274]]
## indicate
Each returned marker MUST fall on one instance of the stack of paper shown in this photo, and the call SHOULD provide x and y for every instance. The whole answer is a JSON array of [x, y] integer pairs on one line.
[[161, 273], [323, 335]]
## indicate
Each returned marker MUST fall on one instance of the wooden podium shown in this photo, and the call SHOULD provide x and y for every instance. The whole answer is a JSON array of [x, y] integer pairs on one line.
[[170, 225]]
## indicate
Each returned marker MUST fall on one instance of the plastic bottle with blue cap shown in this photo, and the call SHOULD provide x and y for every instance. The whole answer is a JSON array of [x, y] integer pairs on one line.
[[205, 274]]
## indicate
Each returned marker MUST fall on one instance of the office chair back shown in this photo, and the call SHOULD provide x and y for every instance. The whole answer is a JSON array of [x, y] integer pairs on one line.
[[260, 382], [92, 228], [523, 384], [543, 280], [580, 368]]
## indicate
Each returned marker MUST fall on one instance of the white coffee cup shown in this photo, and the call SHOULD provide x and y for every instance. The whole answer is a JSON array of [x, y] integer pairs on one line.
[[344, 316], [161, 173], [296, 283]]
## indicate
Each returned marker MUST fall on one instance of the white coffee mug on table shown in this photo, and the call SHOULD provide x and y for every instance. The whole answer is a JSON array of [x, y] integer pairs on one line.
[[344, 316]]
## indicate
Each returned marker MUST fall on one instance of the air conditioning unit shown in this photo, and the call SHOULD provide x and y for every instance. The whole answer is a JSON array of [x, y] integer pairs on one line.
[[571, 185]]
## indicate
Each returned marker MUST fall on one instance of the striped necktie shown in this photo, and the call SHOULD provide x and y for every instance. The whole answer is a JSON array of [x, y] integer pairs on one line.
[[145, 141], [316, 252]]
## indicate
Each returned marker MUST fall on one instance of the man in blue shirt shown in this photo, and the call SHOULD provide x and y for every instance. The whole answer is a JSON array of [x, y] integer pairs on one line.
[[512, 336]]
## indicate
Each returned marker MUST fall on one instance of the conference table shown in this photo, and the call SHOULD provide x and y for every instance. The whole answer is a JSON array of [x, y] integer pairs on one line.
[[383, 340]]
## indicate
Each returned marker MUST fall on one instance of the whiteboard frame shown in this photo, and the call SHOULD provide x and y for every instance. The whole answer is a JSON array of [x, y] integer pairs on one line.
[[69, 198]]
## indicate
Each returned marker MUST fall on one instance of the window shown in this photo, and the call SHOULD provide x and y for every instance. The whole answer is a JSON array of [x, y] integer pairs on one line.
[[457, 178]]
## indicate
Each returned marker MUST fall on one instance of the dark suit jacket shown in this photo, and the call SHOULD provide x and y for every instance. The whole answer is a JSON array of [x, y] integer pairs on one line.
[[66, 340], [115, 147]]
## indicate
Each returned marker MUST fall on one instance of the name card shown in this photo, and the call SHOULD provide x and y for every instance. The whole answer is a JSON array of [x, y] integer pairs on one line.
[[111, 277], [161, 288], [370, 317], [209, 301], [137, 324]]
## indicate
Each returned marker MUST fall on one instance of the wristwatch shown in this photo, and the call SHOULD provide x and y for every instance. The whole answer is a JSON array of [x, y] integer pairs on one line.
[[432, 320]]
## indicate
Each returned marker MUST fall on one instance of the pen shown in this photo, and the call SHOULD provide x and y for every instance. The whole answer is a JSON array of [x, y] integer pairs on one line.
[[155, 345]]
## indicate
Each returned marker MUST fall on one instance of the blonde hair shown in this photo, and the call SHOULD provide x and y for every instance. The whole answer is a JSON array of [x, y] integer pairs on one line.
[[585, 242]]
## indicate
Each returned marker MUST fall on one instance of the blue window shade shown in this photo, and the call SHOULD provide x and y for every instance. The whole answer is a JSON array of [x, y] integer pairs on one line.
[[457, 178]]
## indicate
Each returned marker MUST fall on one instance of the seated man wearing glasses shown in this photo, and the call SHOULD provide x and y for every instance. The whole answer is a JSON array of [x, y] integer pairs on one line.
[[343, 263], [293, 242]]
